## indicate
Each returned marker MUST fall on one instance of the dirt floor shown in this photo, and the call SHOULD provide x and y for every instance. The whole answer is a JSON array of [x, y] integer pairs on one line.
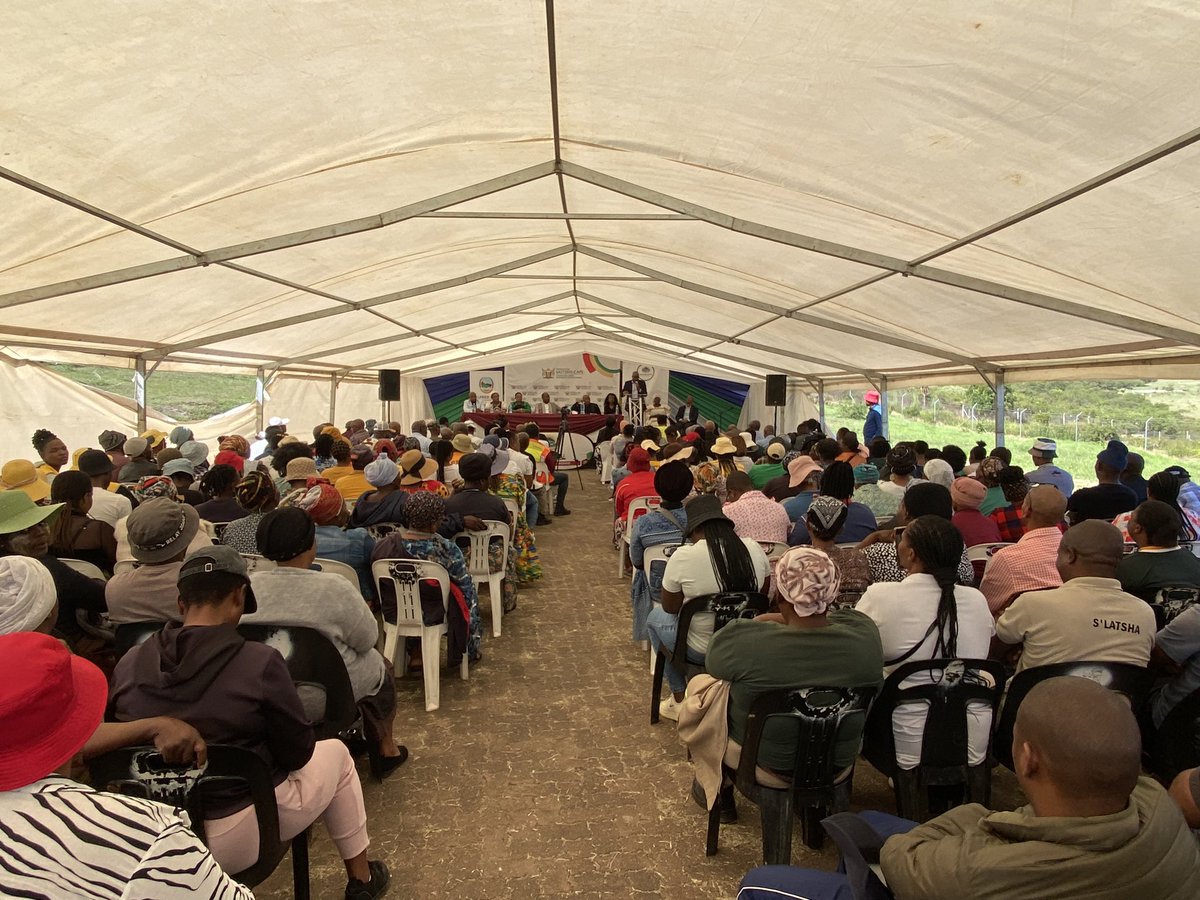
[[541, 776]]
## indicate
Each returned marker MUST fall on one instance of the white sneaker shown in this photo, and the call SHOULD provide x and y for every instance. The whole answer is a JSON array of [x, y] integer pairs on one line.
[[669, 709]]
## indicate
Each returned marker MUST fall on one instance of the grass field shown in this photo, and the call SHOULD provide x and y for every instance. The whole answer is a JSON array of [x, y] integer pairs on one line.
[[1078, 458], [185, 396]]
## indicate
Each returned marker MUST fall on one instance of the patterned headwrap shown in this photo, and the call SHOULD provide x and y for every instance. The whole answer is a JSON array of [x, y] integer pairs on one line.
[[827, 512], [256, 491], [989, 470], [319, 499], [808, 579], [1013, 484], [386, 448], [153, 486], [789, 456], [411, 443], [424, 511], [237, 444]]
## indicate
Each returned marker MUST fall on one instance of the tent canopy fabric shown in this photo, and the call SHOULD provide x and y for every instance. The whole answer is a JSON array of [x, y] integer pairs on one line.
[[933, 193]]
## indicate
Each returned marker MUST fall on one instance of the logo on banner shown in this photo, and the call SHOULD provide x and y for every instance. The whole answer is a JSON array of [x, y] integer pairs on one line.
[[592, 363], [647, 372], [487, 384]]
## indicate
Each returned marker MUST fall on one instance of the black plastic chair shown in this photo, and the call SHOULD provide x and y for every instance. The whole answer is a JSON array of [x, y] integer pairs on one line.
[[944, 748], [725, 607], [1169, 602], [818, 715], [859, 845], [130, 634], [142, 772], [316, 666], [1175, 745], [1124, 678]]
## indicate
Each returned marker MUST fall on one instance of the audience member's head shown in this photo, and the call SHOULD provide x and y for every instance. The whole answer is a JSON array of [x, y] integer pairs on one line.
[[938, 471], [808, 581], [921, 450], [1043, 507], [673, 482], [1152, 524], [219, 481], [866, 474], [28, 598], [1111, 462], [256, 492], [286, 453], [1135, 464], [214, 587], [341, 452], [381, 472], [978, 452], [151, 487], [1076, 748], [838, 481], [902, 461], [967, 493], [637, 460], [51, 449], [160, 531], [1003, 454], [849, 441], [424, 511], [1165, 486], [804, 473], [111, 441], [180, 435], [825, 518], [360, 456], [136, 448], [98, 466], [954, 455], [320, 500], [1013, 484], [925, 499], [989, 471], [879, 449], [237, 444], [1091, 549], [825, 451], [287, 533], [736, 484]]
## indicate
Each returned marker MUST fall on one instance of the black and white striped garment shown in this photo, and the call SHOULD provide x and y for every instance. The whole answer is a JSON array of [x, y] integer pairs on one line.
[[61, 839]]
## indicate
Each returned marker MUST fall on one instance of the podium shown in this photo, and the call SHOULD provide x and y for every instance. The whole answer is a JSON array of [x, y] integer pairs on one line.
[[635, 409]]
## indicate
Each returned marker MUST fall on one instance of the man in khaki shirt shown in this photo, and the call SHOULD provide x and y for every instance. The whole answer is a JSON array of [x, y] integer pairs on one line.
[[1089, 617]]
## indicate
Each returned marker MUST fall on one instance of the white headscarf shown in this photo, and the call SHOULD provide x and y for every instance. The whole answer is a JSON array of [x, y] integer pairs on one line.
[[27, 594], [939, 472]]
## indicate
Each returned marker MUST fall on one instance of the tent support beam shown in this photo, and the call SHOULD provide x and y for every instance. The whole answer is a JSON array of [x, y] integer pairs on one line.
[[883, 404], [695, 287], [576, 216], [260, 389], [998, 387], [729, 362], [470, 352], [406, 294], [892, 264], [333, 385], [194, 258], [445, 326], [821, 402], [139, 392], [753, 345], [475, 354]]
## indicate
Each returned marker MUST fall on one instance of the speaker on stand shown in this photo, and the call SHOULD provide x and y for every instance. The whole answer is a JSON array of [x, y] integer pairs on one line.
[[776, 395], [389, 389]]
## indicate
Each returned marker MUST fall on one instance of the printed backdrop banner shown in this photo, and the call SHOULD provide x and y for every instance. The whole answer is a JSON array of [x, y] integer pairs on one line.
[[566, 378], [485, 381]]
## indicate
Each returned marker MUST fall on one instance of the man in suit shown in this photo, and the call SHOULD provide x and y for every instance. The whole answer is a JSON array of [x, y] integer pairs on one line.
[[545, 406], [634, 387], [585, 406], [688, 413]]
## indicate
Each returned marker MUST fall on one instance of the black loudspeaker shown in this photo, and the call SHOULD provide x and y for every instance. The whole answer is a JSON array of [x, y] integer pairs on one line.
[[776, 390], [389, 384]]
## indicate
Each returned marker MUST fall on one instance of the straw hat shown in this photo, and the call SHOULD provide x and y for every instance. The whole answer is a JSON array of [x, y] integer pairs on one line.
[[20, 475]]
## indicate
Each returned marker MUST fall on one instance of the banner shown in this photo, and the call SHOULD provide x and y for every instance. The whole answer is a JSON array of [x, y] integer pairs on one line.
[[485, 382], [564, 378]]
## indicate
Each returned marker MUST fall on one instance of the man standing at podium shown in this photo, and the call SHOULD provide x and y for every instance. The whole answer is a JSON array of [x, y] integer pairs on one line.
[[635, 387]]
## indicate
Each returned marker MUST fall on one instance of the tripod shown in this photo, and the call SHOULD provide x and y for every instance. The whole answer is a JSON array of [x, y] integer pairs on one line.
[[559, 443]]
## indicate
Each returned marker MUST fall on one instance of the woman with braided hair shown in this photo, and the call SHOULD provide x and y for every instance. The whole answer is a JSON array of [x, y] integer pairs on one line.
[[217, 486], [1165, 487], [256, 494], [53, 453], [929, 615]]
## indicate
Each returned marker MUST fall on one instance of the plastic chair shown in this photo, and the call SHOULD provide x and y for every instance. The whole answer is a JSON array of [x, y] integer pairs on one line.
[[142, 772], [859, 845], [514, 512], [256, 563], [83, 567], [335, 567], [99, 628], [944, 749], [725, 607], [817, 714], [1169, 602], [315, 664], [130, 634], [637, 507], [981, 555], [475, 546], [1124, 678], [401, 578], [774, 549], [1175, 746]]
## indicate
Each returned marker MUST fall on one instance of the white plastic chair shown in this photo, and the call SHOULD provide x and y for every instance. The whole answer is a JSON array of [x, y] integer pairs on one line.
[[83, 567], [774, 549], [336, 567], [476, 553], [404, 576], [985, 552], [640, 505], [514, 511], [256, 563], [605, 455]]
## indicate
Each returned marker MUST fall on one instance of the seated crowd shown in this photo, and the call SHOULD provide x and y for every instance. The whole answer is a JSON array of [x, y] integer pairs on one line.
[[137, 537], [866, 558]]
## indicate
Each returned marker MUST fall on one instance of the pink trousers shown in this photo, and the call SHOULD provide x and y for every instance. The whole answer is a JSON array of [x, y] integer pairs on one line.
[[327, 788]]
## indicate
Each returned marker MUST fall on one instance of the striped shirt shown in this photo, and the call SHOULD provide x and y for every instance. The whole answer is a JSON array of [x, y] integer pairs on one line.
[[1028, 565], [63, 839]]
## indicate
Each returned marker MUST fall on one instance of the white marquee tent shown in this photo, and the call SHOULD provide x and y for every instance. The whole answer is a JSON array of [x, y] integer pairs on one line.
[[889, 193]]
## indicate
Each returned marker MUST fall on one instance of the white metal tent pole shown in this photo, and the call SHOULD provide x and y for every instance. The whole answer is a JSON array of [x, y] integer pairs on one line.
[[883, 404], [333, 382], [1000, 392], [821, 402], [259, 398], [139, 392]]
